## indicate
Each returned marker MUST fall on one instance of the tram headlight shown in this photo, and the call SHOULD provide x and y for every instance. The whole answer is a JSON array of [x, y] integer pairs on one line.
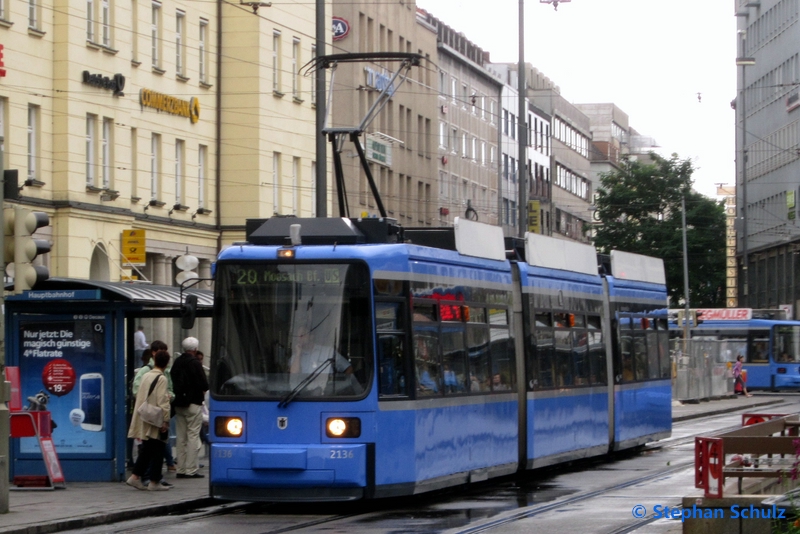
[[343, 427], [229, 427]]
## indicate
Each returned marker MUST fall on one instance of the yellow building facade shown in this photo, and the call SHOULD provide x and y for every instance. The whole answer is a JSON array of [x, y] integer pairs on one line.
[[140, 114], [175, 119]]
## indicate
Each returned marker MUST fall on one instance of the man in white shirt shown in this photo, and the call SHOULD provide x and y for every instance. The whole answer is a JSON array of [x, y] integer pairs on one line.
[[139, 342]]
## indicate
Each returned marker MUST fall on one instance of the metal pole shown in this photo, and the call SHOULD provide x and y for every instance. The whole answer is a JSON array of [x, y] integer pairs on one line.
[[745, 260], [5, 387], [522, 197], [685, 277], [322, 145]]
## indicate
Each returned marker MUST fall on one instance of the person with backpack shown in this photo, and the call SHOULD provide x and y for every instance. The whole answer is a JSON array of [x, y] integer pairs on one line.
[[190, 385]]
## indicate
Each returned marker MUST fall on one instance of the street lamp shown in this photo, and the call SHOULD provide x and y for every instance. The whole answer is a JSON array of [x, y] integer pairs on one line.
[[744, 61]]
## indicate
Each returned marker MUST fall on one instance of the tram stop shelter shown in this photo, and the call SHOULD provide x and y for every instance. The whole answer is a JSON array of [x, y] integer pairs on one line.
[[72, 341]]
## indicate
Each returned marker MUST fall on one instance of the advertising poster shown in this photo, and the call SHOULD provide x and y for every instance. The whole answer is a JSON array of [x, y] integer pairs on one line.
[[63, 369]]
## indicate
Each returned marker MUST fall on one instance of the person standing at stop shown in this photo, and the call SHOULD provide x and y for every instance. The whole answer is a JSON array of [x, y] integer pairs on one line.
[[737, 375]]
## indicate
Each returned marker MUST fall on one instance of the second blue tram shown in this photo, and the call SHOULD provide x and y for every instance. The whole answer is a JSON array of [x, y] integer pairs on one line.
[[769, 343], [357, 359]]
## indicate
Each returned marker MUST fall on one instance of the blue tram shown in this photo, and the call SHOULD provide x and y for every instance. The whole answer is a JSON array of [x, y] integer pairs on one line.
[[356, 359], [769, 343]]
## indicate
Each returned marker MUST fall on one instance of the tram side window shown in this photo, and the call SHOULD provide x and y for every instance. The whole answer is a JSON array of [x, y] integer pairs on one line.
[[389, 321], [426, 359], [580, 351], [663, 349], [597, 351], [626, 349], [758, 347], [478, 349], [653, 368], [542, 357], [640, 356], [565, 374], [504, 375], [787, 343], [453, 358]]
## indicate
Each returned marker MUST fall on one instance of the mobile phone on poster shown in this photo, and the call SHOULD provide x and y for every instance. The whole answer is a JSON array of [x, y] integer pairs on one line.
[[91, 387]]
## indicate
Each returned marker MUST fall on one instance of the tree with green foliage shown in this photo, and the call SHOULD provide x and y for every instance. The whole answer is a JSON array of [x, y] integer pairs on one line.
[[639, 209]]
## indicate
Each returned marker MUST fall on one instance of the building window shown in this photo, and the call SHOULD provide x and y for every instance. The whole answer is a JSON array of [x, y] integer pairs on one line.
[[313, 188], [454, 88], [90, 20], [179, 151], [33, 14], [134, 163], [105, 22], [276, 61], [443, 134], [420, 134], [295, 72], [33, 141], [155, 34], [202, 152], [180, 17], [135, 31], [106, 151], [276, 182], [91, 139], [3, 10], [155, 165], [442, 83], [313, 84], [202, 51], [296, 186]]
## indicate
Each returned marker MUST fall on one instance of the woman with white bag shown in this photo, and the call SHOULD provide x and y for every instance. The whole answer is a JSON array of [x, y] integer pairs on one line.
[[153, 395]]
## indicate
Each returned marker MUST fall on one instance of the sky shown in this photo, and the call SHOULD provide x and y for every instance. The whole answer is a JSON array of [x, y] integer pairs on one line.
[[649, 57]]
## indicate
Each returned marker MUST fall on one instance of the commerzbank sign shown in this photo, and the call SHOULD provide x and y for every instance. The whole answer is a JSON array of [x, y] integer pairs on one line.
[[169, 104]]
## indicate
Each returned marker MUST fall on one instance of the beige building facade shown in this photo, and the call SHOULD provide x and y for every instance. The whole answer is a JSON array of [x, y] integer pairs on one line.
[[405, 131], [267, 127]]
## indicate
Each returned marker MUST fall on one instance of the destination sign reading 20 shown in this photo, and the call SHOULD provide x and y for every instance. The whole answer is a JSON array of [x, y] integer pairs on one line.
[[273, 274]]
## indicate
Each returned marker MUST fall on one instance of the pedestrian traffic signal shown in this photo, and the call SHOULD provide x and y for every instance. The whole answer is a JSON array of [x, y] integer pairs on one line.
[[26, 248]]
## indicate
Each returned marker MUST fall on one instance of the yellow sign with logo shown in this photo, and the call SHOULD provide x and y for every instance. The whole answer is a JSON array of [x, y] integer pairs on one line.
[[534, 223], [134, 247], [176, 106]]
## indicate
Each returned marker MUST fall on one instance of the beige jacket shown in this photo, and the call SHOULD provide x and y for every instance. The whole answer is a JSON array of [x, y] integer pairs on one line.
[[160, 397]]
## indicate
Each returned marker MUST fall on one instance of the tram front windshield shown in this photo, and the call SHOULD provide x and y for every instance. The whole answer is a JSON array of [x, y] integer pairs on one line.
[[291, 331], [787, 344]]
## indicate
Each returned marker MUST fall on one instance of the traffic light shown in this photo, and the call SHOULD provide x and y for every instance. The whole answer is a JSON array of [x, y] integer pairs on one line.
[[26, 247]]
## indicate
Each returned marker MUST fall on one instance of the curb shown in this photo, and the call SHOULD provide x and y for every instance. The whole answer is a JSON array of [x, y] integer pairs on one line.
[[112, 517], [726, 410]]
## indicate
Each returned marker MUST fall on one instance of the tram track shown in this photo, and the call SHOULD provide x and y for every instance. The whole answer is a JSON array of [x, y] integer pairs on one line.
[[582, 497], [292, 521]]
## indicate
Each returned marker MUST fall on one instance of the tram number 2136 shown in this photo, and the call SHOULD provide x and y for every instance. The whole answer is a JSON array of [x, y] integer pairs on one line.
[[341, 454]]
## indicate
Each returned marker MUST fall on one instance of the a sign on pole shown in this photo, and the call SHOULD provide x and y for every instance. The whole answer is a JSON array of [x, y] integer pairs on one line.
[[534, 222], [134, 247]]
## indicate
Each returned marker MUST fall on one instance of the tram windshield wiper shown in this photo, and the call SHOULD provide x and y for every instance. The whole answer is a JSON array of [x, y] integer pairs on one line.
[[302, 385]]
